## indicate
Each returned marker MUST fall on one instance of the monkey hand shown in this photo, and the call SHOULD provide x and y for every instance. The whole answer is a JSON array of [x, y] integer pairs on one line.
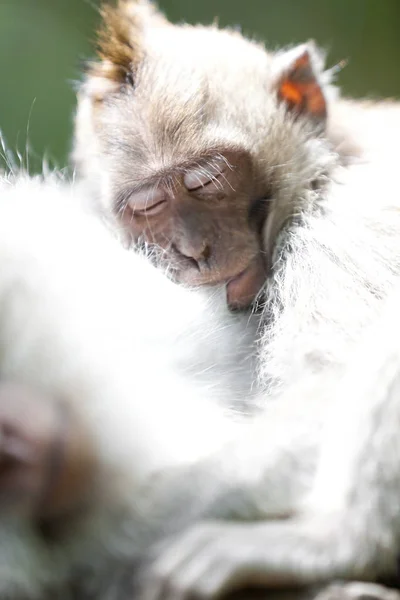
[[212, 559], [357, 590]]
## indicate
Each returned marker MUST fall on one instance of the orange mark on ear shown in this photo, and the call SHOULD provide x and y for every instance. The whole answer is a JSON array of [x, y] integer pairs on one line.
[[300, 89], [290, 93]]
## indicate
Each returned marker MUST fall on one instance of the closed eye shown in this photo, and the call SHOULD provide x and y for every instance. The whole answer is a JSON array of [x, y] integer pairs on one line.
[[200, 177], [147, 201], [152, 209]]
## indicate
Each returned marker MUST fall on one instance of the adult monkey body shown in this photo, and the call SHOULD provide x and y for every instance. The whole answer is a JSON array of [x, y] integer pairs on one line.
[[78, 456], [198, 141], [331, 234]]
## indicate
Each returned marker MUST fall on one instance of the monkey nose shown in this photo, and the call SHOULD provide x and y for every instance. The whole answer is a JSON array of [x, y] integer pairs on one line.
[[197, 253]]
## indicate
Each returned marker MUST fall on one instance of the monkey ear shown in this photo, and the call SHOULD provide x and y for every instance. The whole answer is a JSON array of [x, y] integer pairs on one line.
[[298, 77], [120, 41]]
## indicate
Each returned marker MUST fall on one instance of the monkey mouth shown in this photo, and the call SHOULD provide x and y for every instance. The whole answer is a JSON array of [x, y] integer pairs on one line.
[[242, 289]]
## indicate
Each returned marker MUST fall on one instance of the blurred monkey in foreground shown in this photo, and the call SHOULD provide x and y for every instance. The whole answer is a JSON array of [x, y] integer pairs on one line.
[[105, 395]]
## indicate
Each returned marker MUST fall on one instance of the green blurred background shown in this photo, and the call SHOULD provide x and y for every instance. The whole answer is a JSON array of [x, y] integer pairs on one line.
[[43, 41]]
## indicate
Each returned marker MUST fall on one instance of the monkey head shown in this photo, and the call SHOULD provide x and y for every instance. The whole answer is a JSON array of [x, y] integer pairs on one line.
[[200, 143], [46, 460]]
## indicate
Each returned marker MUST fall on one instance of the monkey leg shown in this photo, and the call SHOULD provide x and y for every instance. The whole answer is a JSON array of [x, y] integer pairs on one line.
[[347, 527], [45, 459]]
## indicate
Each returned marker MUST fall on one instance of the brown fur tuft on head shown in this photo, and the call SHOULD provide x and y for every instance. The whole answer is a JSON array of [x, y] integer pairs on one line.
[[119, 44], [115, 44]]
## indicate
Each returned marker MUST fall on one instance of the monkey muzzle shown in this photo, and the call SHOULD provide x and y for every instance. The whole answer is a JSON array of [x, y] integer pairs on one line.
[[45, 458]]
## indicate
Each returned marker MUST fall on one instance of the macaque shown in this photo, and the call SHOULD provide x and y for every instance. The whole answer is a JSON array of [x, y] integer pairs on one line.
[[243, 170], [102, 390]]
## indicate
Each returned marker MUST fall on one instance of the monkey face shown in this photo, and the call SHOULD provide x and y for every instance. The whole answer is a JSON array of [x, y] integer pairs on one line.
[[196, 219], [177, 153]]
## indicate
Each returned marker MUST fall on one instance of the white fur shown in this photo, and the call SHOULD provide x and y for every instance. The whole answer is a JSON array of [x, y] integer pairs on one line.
[[159, 373], [149, 368]]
